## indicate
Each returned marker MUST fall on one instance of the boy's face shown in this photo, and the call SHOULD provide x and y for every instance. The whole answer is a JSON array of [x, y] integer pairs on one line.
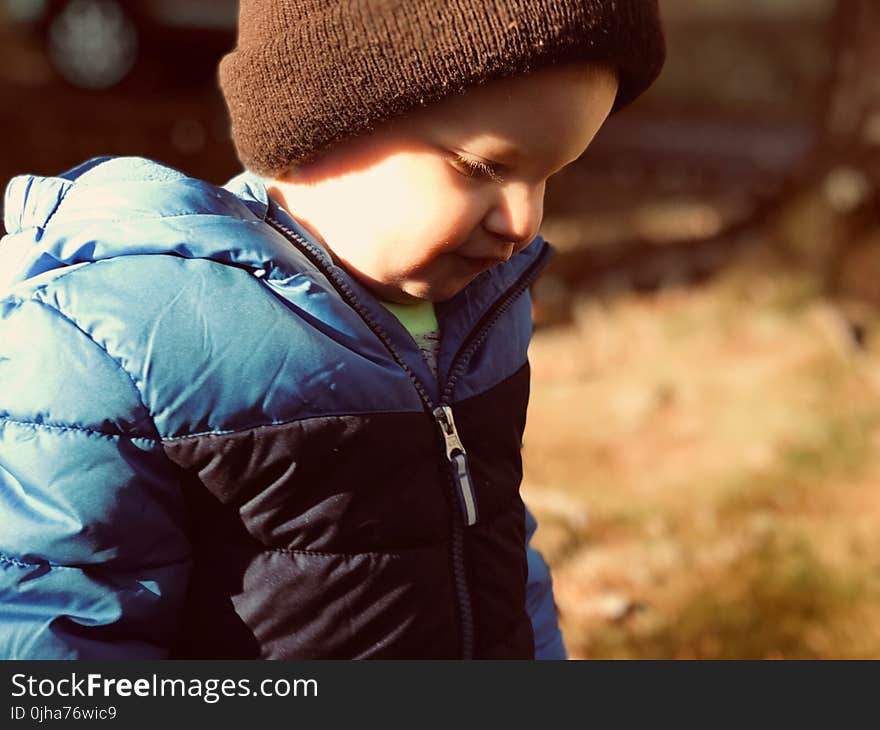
[[426, 203]]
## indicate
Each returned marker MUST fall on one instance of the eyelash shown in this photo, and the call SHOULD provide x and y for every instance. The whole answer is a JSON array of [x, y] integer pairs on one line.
[[478, 168]]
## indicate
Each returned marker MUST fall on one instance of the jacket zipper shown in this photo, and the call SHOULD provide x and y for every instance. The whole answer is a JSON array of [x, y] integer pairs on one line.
[[457, 457], [455, 451], [455, 454]]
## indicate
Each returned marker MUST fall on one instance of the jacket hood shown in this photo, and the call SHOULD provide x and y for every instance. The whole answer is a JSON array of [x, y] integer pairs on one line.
[[109, 207]]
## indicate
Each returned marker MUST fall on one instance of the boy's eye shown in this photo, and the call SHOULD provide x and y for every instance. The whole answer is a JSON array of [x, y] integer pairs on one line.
[[473, 167]]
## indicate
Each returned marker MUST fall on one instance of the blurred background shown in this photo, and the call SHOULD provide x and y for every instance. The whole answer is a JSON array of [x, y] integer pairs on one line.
[[702, 444]]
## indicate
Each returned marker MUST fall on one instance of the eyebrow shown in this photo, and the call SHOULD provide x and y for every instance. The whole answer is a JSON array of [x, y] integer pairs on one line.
[[506, 156], [504, 152], [499, 151], [490, 147]]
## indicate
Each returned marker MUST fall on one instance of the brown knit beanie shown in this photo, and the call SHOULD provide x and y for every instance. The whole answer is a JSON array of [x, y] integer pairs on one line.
[[309, 73]]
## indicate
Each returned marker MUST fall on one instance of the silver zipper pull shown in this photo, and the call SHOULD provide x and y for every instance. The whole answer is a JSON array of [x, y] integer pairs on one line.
[[457, 457]]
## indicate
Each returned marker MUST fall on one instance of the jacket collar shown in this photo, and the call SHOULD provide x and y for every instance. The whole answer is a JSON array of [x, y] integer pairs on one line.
[[475, 298], [458, 317]]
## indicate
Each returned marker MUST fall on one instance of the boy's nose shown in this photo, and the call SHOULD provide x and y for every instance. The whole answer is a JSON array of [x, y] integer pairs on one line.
[[516, 215]]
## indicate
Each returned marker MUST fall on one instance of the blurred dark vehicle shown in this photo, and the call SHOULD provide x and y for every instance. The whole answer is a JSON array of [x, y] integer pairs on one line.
[[84, 78], [738, 110], [739, 105], [102, 44]]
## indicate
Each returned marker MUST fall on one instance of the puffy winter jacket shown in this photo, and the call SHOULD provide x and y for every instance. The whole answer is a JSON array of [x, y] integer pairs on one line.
[[215, 443]]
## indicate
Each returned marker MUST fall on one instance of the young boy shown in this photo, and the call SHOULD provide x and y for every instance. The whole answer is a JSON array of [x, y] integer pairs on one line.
[[283, 418]]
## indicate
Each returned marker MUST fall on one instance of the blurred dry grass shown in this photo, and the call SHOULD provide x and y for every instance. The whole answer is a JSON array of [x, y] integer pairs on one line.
[[704, 466]]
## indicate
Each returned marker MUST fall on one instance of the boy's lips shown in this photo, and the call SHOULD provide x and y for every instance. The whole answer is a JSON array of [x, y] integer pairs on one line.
[[484, 263]]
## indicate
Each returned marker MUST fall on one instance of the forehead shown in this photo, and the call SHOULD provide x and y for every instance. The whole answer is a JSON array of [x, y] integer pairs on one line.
[[549, 108], [546, 118]]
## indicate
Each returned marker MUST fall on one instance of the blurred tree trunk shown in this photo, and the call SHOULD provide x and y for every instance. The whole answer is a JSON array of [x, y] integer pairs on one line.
[[850, 153], [851, 126], [828, 216]]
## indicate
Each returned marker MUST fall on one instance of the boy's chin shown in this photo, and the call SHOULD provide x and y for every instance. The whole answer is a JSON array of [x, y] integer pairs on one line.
[[413, 292], [430, 292]]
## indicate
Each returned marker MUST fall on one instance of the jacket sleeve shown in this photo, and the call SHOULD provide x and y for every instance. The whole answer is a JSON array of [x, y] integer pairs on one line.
[[94, 560], [539, 601]]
